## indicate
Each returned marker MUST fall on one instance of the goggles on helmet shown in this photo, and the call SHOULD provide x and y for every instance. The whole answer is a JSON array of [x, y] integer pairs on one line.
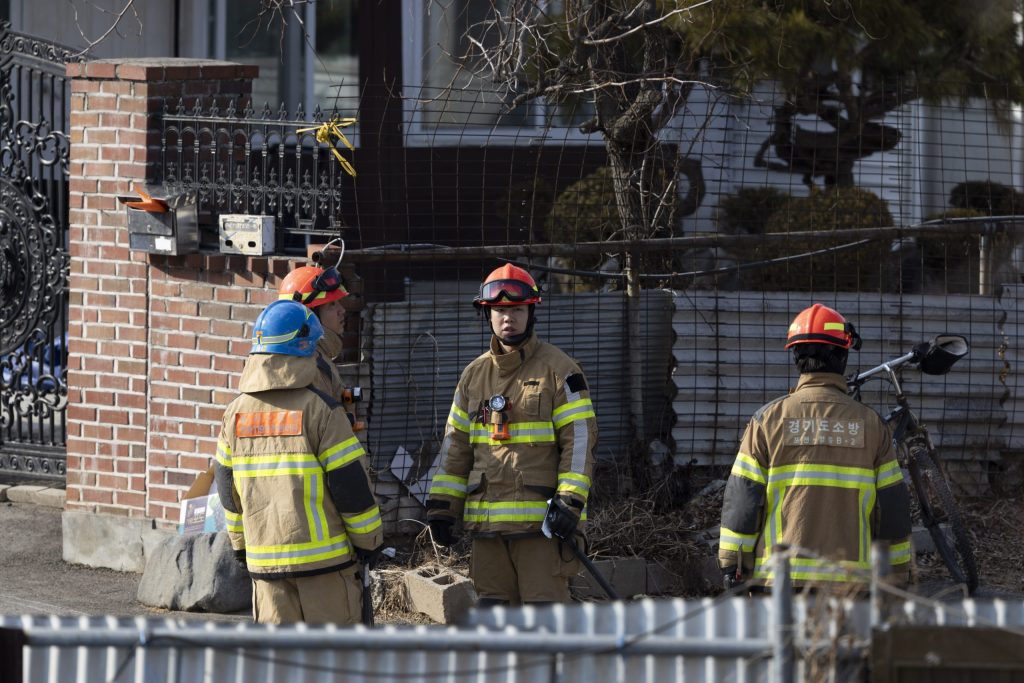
[[327, 281], [508, 290]]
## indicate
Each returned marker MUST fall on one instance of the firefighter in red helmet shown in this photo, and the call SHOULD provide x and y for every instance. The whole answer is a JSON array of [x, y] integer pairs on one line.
[[517, 455], [816, 471], [321, 291]]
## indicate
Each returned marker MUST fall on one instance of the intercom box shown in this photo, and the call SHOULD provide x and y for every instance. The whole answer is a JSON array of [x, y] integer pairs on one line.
[[244, 234]]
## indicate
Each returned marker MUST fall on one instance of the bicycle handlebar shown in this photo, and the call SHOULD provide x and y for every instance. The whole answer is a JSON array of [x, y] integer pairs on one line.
[[934, 357]]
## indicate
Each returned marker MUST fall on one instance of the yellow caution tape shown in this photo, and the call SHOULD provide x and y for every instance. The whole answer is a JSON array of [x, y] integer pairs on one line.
[[332, 129]]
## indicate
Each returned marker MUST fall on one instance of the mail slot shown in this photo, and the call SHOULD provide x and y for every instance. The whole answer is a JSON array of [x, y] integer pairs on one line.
[[162, 222]]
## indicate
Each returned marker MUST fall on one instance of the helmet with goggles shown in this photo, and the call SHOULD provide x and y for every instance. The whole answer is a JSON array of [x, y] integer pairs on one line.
[[312, 286], [508, 286], [820, 324]]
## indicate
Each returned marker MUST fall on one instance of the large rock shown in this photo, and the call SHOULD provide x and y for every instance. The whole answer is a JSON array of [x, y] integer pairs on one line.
[[195, 572]]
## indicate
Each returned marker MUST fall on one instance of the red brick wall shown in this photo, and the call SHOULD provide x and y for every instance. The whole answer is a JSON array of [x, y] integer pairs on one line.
[[155, 342]]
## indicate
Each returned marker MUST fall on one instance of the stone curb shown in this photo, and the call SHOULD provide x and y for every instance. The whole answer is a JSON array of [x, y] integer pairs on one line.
[[36, 495]]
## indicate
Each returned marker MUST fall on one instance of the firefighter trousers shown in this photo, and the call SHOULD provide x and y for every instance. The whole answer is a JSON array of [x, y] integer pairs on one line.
[[521, 569], [333, 597]]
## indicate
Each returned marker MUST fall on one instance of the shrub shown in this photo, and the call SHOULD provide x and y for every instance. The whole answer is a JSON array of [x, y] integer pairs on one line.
[[864, 268], [586, 211], [987, 197], [749, 209]]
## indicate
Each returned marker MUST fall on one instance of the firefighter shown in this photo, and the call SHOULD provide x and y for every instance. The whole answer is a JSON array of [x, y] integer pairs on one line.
[[817, 471], [518, 447], [321, 291], [293, 481]]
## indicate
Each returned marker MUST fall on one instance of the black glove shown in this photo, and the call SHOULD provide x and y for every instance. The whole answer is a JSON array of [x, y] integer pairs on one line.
[[563, 515], [368, 557], [240, 558], [731, 577], [441, 530]]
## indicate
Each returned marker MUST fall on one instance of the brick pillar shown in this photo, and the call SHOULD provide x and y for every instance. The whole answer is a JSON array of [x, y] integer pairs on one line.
[[117, 363]]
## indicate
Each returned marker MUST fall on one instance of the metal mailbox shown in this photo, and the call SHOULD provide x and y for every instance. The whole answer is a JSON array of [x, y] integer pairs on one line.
[[162, 222]]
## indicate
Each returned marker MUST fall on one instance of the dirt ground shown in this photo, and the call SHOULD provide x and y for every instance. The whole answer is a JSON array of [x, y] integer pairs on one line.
[[34, 579]]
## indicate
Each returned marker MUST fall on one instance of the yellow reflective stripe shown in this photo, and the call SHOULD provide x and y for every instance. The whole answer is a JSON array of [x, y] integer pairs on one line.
[[275, 464], [888, 474], [448, 485], [233, 521], [734, 540], [835, 326], [342, 454], [573, 482], [297, 553], [748, 468], [223, 455], [572, 411], [363, 523], [505, 511], [312, 497], [812, 474], [899, 553], [812, 569], [458, 418], [519, 432]]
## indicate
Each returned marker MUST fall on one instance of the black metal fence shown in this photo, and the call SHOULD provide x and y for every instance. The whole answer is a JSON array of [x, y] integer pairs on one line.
[[34, 154]]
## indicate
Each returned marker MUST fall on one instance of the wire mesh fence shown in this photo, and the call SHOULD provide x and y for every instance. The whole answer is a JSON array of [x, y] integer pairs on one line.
[[672, 280]]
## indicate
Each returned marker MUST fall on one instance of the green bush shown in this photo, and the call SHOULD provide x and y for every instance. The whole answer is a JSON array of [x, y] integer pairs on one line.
[[586, 211], [865, 268], [987, 197], [748, 210]]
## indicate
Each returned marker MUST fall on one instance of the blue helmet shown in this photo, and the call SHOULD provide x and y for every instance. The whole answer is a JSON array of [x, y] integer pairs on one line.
[[287, 328]]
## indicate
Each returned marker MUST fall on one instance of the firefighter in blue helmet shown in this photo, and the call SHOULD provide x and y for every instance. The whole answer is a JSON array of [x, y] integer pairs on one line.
[[293, 481]]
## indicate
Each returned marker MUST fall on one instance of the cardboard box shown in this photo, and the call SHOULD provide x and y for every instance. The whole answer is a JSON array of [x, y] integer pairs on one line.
[[201, 510]]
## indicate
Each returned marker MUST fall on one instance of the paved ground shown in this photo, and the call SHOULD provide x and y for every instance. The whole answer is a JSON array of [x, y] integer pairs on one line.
[[34, 579]]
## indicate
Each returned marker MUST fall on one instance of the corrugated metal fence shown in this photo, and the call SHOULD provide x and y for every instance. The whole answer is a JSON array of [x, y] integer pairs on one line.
[[719, 354], [729, 355], [666, 641]]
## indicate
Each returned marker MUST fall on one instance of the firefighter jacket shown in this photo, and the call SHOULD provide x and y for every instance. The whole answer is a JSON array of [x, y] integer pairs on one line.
[[502, 485], [816, 470], [291, 473], [327, 378]]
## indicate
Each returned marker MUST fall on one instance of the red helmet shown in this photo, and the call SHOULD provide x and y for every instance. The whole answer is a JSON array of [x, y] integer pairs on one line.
[[822, 325], [312, 286], [507, 286]]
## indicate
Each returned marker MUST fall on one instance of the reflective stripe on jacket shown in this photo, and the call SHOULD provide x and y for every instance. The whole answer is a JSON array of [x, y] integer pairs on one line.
[[301, 499], [503, 484], [816, 470]]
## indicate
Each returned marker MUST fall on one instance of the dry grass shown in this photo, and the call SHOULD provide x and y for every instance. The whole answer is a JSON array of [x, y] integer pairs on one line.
[[644, 526]]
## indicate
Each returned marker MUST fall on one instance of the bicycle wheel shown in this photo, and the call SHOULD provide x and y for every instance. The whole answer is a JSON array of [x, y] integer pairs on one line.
[[942, 517]]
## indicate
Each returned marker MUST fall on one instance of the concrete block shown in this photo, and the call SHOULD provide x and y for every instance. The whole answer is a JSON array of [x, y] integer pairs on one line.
[[627, 575], [110, 541], [660, 581], [443, 595]]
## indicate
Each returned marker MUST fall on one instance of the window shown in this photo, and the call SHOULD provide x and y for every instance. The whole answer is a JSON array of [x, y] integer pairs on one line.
[[312, 63], [445, 103]]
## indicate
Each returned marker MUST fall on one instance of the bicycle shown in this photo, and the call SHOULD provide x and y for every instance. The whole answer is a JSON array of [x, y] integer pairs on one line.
[[916, 453]]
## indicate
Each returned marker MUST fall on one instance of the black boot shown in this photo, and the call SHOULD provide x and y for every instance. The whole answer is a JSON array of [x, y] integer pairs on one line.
[[484, 603]]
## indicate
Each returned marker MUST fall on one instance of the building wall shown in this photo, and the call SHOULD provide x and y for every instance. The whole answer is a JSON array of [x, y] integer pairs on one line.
[[154, 341]]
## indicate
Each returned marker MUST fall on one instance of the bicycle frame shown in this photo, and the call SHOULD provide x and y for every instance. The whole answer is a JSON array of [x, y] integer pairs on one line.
[[902, 419]]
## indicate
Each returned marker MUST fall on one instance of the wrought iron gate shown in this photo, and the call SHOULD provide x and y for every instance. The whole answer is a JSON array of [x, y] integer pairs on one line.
[[34, 151]]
